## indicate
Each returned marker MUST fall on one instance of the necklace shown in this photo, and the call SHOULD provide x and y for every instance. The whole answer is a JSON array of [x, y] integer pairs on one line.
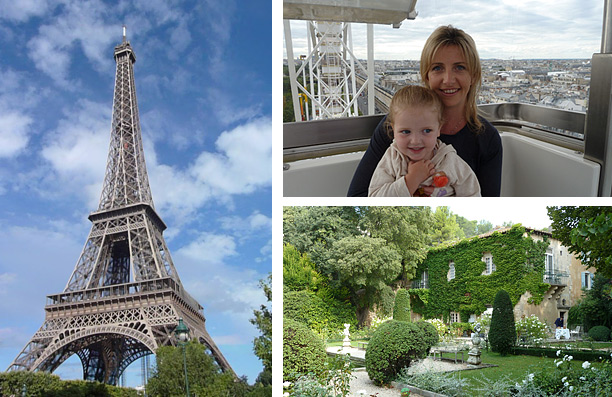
[[455, 129]]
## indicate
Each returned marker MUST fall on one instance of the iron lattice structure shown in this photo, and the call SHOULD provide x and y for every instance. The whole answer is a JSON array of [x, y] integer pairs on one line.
[[124, 297]]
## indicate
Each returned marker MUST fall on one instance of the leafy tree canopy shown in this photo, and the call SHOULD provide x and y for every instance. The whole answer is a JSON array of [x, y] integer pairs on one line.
[[366, 266], [204, 375], [299, 273], [406, 230], [262, 345], [587, 232], [313, 230], [445, 226]]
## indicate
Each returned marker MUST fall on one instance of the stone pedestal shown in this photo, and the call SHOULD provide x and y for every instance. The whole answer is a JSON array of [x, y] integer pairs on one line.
[[474, 358], [474, 353]]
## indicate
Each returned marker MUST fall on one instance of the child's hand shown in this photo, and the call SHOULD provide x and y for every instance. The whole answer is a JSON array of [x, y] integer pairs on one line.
[[418, 171]]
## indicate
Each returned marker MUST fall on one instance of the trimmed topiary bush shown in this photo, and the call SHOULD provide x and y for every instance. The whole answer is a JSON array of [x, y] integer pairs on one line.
[[502, 333], [393, 346], [600, 333], [303, 351], [430, 334], [401, 309]]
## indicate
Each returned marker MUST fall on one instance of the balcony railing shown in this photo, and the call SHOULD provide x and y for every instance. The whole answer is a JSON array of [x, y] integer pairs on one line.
[[556, 278], [420, 284]]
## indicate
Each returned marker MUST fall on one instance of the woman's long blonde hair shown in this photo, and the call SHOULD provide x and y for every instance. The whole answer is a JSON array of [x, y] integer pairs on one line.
[[447, 36]]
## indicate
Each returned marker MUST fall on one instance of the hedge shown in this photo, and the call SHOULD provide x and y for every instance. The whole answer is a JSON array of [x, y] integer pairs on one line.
[[581, 355]]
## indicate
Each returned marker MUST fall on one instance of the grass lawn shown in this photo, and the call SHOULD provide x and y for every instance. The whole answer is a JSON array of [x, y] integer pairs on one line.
[[513, 368]]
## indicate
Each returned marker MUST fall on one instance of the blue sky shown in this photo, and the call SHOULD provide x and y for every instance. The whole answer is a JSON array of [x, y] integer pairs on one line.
[[506, 29], [203, 80]]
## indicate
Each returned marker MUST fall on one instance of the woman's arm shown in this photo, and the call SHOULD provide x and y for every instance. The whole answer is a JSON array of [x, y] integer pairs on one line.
[[363, 174]]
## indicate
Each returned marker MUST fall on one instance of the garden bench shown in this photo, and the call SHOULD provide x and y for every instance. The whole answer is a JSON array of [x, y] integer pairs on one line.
[[362, 345], [457, 349]]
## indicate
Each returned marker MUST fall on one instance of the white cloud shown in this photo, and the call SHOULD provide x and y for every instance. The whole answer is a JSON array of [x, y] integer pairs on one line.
[[243, 161], [224, 107], [240, 226], [23, 10], [78, 148], [217, 18], [209, 249], [529, 29], [241, 165], [6, 279], [14, 133], [82, 23]]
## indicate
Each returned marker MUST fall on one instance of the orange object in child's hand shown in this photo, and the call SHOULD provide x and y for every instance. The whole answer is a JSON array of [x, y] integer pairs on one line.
[[440, 179]]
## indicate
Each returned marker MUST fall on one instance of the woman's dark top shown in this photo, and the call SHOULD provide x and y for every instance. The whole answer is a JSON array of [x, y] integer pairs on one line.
[[482, 152]]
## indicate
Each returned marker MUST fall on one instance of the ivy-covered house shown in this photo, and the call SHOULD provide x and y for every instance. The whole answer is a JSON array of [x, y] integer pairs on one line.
[[458, 281]]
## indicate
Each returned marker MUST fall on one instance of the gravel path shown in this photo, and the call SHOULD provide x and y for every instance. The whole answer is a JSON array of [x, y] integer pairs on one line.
[[362, 382]]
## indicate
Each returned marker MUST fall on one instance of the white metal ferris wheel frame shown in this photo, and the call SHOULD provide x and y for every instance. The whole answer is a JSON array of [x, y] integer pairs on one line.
[[324, 92], [342, 12]]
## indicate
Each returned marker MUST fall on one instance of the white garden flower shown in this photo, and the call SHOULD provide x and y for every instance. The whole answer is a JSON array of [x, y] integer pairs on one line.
[[582, 378], [558, 352], [564, 379], [531, 377], [286, 384], [571, 388], [570, 358], [566, 384], [558, 363], [586, 365]]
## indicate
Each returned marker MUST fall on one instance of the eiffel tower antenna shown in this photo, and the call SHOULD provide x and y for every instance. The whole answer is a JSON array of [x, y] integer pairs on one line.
[[124, 298]]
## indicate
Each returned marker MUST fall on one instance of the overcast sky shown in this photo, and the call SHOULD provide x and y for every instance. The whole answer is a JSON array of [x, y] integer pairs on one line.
[[502, 29], [528, 212], [204, 91]]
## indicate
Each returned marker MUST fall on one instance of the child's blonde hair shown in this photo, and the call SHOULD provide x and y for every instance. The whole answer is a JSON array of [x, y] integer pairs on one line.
[[412, 95]]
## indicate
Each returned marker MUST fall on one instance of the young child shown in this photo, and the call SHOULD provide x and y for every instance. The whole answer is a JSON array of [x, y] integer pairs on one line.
[[416, 158]]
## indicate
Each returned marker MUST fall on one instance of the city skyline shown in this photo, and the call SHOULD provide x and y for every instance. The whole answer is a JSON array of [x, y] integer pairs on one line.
[[197, 98], [502, 30]]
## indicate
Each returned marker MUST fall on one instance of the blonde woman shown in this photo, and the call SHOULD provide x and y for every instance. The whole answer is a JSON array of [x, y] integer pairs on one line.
[[450, 66]]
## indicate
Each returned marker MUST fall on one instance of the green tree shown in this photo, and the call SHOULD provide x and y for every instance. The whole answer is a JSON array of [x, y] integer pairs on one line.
[[204, 374], [401, 309], [445, 226], [596, 306], [587, 232], [365, 266], [313, 230], [262, 345], [299, 272], [502, 333], [405, 229], [469, 227], [483, 227]]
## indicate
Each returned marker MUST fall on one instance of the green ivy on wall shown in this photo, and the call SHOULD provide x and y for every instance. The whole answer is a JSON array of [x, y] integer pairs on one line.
[[519, 263]]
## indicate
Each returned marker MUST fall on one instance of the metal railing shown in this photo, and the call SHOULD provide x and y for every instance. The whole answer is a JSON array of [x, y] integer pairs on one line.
[[556, 278], [419, 284], [319, 138], [123, 290]]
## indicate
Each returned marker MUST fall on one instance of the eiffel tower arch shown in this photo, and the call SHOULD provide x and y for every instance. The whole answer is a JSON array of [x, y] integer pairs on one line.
[[124, 298]]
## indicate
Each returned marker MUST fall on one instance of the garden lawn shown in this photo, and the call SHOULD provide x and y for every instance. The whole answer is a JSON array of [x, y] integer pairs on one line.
[[513, 368]]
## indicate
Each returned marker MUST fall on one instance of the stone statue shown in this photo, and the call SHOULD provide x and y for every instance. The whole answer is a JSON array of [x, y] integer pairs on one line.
[[346, 342], [474, 353]]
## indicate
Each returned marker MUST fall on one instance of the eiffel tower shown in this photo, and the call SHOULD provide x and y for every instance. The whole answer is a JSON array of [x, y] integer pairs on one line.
[[124, 297]]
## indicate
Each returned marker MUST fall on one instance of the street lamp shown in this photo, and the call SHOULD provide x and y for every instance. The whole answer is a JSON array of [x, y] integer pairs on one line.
[[182, 336]]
